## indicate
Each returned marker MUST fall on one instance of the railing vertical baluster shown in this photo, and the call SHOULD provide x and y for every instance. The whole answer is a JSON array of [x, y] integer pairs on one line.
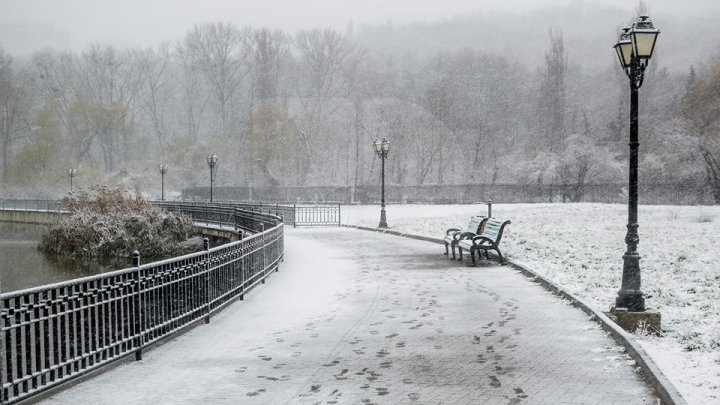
[[52, 339], [74, 327], [138, 312], [208, 267], [243, 250], [264, 259], [95, 321], [12, 363], [3, 346], [23, 331]]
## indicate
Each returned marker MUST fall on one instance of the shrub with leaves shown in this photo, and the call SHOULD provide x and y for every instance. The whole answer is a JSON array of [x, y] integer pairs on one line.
[[105, 223]]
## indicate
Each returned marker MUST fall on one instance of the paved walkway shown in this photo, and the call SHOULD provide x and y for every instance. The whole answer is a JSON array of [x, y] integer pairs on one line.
[[356, 317]]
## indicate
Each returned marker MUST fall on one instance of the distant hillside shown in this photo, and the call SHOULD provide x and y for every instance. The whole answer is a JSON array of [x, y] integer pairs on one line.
[[589, 30]]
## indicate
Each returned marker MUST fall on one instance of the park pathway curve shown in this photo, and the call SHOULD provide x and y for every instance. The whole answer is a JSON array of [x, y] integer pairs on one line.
[[357, 317]]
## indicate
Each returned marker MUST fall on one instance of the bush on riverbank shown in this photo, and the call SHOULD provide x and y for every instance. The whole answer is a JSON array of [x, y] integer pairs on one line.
[[105, 223]]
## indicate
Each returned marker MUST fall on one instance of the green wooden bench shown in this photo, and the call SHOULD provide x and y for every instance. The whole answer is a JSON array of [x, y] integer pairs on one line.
[[488, 240], [453, 235]]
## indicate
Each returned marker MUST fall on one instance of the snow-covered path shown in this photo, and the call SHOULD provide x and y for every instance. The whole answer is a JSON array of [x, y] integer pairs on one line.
[[360, 317]]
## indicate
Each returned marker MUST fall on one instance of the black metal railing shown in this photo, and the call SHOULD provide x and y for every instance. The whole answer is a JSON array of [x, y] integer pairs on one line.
[[291, 214], [53, 333], [316, 215]]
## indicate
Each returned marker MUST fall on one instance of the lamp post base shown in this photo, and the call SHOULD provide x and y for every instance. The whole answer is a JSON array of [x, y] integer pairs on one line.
[[632, 300], [630, 296], [648, 321], [383, 219]]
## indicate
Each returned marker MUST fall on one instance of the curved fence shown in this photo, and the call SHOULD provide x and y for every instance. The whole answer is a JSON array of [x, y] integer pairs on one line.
[[54, 333], [292, 214], [225, 215], [304, 214]]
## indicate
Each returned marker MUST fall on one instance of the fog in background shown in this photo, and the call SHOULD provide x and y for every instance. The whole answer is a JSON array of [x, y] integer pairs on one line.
[[75, 24], [293, 93]]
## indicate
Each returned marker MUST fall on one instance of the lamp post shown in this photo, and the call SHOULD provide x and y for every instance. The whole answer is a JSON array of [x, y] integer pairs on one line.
[[634, 49], [381, 148], [212, 160], [163, 170], [71, 173]]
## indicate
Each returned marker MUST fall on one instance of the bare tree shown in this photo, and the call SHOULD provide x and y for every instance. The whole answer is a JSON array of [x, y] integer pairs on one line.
[[220, 53], [574, 173], [702, 110], [268, 128], [107, 90], [159, 88], [552, 97], [271, 51], [323, 54], [322, 85], [13, 119]]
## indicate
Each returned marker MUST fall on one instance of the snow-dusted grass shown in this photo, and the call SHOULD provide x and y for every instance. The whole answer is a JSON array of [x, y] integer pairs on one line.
[[580, 247]]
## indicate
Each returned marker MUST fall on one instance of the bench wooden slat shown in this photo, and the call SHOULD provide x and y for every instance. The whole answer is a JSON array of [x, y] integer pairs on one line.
[[452, 235], [488, 240]]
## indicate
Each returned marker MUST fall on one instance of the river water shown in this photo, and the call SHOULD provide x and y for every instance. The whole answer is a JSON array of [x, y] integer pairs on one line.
[[23, 266]]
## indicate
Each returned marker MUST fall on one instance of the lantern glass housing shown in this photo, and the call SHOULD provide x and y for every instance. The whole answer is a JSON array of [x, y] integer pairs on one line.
[[385, 145], [643, 36], [623, 47]]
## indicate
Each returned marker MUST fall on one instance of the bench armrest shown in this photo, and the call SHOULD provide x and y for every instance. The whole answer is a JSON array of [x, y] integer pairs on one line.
[[482, 240], [463, 235], [451, 230]]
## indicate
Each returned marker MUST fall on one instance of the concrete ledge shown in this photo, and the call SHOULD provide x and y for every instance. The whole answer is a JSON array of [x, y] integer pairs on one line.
[[649, 320], [231, 234], [30, 217], [665, 390]]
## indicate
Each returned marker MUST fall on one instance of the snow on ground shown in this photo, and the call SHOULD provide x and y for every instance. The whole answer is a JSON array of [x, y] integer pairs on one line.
[[580, 247]]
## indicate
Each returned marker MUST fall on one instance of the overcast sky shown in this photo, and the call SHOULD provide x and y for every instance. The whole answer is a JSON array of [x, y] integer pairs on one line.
[[148, 22]]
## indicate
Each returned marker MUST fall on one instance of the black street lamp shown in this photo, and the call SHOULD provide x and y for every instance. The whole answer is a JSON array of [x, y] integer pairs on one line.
[[163, 170], [212, 161], [382, 148], [71, 173], [634, 49]]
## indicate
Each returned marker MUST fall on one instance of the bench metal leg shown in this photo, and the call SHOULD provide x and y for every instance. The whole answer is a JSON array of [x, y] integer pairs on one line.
[[502, 261], [487, 254], [453, 250], [460, 253], [446, 249], [472, 256]]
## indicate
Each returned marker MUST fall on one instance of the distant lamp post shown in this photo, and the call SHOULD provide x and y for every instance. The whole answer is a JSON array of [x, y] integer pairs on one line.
[[382, 148], [212, 161], [634, 49], [163, 170], [71, 173]]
